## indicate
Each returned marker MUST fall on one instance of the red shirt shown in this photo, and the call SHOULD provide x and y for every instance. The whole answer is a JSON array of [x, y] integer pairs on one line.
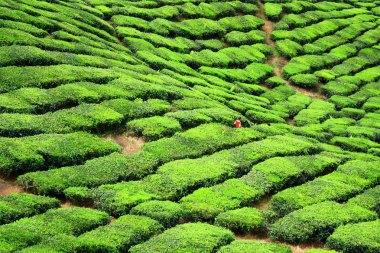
[[237, 123]]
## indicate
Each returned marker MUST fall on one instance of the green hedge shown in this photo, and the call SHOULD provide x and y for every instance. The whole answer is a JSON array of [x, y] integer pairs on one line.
[[245, 219], [50, 150], [354, 143], [110, 169], [190, 237], [63, 221], [167, 213], [13, 77], [208, 202], [175, 179], [154, 128], [84, 117], [236, 38], [204, 139], [239, 246], [317, 222], [272, 10], [20, 205], [119, 236], [356, 238], [305, 80], [107, 169], [368, 199], [348, 180]]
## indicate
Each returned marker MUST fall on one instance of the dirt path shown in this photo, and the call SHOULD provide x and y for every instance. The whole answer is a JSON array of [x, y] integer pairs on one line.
[[278, 62], [9, 186], [130, 144], [300, 248]]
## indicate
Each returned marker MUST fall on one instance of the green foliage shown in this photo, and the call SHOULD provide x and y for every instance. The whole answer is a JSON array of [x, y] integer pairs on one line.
[[348, 180], [245, 219], [272, 10], [288, 48], [369, 199], [154, 128], [120, 235], [354, 143], [275, 81], [317, 222], [14, 77], [195, 142], [63, 221], [167, 213], [207, 203], [304, 80], [236, 38], [362, 237], [190, 237], [49, 150], [20, 205], [254, 246]]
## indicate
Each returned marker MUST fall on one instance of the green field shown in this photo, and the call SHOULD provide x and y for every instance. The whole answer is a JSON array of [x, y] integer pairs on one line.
[[117, 126]]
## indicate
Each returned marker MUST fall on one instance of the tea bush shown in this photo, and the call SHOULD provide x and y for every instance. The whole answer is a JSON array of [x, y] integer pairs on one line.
[[167, 213], [355, 238], [120, 235], [20, 205], [317, 222], [192, 237], [249, 245], [245, 219]]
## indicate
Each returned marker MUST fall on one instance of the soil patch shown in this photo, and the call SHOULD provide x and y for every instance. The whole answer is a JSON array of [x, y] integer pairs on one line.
[[130, 144], [263, 204], [9, 186], [300, 248]]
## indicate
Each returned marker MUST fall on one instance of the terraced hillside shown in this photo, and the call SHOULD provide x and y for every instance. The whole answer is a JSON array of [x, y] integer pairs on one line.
[[117, 126]]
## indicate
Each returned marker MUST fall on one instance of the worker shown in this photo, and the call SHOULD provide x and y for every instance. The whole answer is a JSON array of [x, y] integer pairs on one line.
[[237, 123]]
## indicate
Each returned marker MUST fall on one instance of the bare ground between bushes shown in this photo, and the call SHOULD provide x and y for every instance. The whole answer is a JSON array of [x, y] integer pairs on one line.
[[130, 144], [300, 248], [278, 62]]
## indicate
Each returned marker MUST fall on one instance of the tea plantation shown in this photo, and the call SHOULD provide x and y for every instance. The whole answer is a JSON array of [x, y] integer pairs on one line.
[[117, 126]]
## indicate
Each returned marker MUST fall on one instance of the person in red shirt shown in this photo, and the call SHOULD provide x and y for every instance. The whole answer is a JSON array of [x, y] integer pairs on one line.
[[237, 123]]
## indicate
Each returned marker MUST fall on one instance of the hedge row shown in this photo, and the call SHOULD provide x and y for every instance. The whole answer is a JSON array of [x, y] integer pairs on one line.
[[301, 20], [39, 152], [175, 179], [167, 213], [369, 199], [348, 180], [317, 112], [28, 100], [33, 56], [64, 221], [200, 28], [154, 128], [317, 222], [12, 78], [316, 60], [120, 235], [19, 205], [193, 143], [266, 177], [253, 73], [356, 238], [11, 37], [254, 246], [190, 237], [245, 219], [84, 117], [339, 38]]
